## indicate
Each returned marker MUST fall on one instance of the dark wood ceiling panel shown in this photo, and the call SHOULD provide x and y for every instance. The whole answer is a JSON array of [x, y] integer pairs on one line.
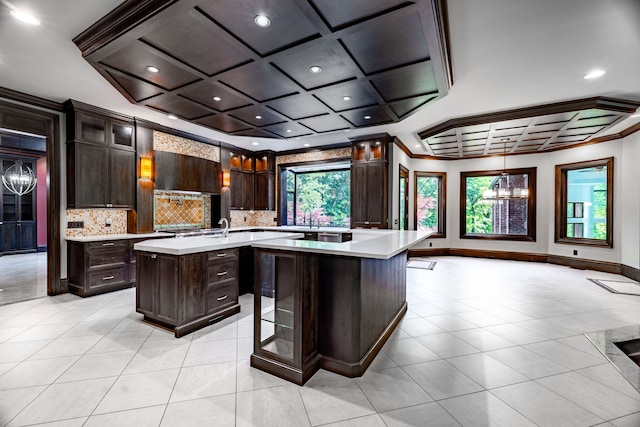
[[223, 123], [177, 36], [391, 41], [407, 106], [298, 106], [205, 91], [407, 82], [136, 89], [367, 116], [260, 81], [552, 127], [328, 54], [134, 58], [326, 123], [288, 130], [376, 52], [258, 115], [359, 96], [353, 11], [178, 106], [288, 24], [255, 133]]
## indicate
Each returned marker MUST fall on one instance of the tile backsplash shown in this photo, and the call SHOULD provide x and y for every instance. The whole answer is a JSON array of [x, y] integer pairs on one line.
[[253, 218], [177, 210], [95, 222], [176, 144]]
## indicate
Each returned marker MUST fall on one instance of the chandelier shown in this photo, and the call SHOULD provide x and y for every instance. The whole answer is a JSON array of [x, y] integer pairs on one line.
[[19, 178], [502, 188]]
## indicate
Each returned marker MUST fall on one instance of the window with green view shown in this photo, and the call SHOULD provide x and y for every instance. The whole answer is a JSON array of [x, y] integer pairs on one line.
[[429, 202]]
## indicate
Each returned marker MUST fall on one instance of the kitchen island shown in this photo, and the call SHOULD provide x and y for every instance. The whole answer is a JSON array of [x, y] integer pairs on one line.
[[334, 304]]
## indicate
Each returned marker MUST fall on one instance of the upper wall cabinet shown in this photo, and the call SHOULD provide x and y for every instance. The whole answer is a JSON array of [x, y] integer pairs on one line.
[[264, 182], [101, 158], [369, 183], [186, 173]]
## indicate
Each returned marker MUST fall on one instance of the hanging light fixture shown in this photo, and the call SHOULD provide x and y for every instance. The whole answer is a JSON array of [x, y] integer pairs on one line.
[[503, 188], [19, 178]]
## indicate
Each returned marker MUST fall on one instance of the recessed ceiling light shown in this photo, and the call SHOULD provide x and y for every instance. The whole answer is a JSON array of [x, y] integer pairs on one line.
[[367, 117], [307, 145], [288, 131], [25, 17], [262, 21], [594, 74], [315, 68], [152, 69], [258, 117], [255, 143], [172, 117], [217, 98], [346, 98], [417, 146]]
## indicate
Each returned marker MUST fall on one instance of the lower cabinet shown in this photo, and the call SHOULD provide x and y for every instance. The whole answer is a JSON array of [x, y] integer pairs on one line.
[[187, 292], [285, 328], [98, 267]]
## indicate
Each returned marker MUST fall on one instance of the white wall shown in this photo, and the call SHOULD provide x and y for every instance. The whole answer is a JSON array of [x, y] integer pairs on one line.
[[626, 221], [398, 157]]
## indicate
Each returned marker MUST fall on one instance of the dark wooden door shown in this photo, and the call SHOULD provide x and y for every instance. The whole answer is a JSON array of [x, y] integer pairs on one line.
[[376, 194], [9, 236], [264, 186], [359, 194], [122, 179], [236, 189], [166, 307], [247, 194], [193, 275], [25, 235], [90, 183], [146, 283]]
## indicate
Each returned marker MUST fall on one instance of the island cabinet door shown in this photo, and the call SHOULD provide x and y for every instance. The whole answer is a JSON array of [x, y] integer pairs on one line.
[[146, 283], [167, 289], [193, 271]]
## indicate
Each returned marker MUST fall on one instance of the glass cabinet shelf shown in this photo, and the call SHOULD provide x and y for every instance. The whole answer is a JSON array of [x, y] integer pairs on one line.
[[279, 317]]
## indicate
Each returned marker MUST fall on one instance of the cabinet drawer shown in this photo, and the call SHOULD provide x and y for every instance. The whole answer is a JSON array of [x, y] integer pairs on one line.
[[107, 277], [108, 245], [97, 259], [221, 294], [223, 255], [220, 271]]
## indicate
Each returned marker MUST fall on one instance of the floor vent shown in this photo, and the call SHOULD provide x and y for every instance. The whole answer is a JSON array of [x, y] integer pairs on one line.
[[619, 287], [421, 264]]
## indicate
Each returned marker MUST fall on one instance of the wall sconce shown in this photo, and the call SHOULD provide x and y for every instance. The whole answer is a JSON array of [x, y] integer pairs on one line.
[[226, 178], [145, 167]]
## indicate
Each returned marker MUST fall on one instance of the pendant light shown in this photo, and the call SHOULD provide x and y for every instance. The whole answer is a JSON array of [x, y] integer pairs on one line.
[[502, 188], [19, 178]]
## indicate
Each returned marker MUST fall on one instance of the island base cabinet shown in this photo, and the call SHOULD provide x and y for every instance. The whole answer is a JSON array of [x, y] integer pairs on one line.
[[178, 292], [285, 326]]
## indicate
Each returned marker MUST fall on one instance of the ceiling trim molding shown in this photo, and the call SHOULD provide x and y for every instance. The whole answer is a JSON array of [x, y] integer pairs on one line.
[[118, 21], [605, 103], [33, 101]]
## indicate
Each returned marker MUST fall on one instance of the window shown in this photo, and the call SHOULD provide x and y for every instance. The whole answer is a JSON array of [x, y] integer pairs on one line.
[[429, 202], [498, 204], [584, 203], [318, 194], [404, 198]]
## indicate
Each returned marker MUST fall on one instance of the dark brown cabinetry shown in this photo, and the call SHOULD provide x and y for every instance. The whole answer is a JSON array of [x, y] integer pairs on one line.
[[252, 185], [98, 267], [101, 161], [369, 184], [17, 215], [285, 327], [186, 173], [187, 292]]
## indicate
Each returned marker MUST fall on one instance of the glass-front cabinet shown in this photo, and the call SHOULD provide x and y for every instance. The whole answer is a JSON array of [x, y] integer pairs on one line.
[[285, 340]]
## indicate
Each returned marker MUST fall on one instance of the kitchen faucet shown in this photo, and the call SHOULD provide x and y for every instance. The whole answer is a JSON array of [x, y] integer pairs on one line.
[[226, 226]]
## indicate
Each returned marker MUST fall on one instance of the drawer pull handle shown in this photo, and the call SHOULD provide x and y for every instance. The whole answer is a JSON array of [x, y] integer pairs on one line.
[[108, 277], [222, 298], [154, 256], [222, 273], [108, 244], [221, 255]]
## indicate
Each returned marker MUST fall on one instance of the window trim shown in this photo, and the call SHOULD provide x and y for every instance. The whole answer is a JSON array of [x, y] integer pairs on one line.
[[561, 201], [403, 173], [531, 208], [442, 200]]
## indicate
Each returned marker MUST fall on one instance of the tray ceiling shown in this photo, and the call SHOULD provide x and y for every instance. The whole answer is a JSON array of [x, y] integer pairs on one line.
[[528, 130], [218, 69]]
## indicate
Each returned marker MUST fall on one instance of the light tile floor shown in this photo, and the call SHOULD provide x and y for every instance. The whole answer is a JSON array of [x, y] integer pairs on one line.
[[485, 342], [23, 277]]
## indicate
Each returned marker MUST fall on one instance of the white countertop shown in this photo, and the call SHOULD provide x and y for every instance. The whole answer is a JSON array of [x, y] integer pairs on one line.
[[381, 244], [84, 239], [196, 244]]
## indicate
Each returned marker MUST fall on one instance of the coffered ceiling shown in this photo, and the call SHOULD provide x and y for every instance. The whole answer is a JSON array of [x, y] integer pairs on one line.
[[534, 129], [378, 61]]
